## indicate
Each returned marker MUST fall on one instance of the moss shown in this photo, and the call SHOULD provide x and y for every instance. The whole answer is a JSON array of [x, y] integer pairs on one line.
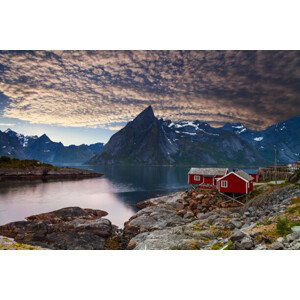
[[229, 246], [198, 227], [112, 244], [217, 246], [17, 246], [221, 233]]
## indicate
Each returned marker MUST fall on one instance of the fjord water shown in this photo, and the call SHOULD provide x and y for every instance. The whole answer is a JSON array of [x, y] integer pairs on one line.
[[117, 192]]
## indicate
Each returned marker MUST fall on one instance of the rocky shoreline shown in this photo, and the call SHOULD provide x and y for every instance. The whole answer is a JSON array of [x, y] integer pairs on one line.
[[173, 222], [188, 220], [15, 174]]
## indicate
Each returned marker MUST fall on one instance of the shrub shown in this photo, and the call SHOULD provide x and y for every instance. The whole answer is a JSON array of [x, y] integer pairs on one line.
[[283, 226]]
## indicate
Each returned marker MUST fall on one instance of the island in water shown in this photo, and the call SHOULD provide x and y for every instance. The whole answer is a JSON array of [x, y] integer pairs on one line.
[[16, 169]]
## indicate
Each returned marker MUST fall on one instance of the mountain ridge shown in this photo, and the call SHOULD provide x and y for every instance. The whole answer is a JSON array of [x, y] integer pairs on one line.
[[151, 141], [42, 148]]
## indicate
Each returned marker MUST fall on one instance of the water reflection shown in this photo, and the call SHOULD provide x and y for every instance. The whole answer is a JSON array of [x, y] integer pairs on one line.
[[19, 201], [117, 192]]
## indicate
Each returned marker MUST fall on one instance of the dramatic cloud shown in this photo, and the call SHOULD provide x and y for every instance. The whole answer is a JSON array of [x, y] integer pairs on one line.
[[108, 88]]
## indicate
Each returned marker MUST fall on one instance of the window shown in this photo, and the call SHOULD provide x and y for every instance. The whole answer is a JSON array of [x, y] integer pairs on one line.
[[197, 177], [224, 183]]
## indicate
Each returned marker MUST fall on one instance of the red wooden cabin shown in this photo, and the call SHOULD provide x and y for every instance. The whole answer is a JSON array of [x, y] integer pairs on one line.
[[206, 177], [252, 172], [238, 182]]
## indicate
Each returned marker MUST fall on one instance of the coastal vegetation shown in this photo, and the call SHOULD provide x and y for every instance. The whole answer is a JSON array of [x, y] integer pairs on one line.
[[8, 162]]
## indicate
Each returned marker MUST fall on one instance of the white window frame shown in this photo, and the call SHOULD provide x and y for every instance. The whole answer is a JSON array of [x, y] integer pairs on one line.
[[224, 183], [197, 177]]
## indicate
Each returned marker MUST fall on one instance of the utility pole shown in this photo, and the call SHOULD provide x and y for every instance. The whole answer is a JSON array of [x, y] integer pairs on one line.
[[275, 164]]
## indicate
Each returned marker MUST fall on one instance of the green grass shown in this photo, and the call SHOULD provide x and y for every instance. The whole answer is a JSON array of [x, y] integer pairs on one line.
[[216, 246], [282, 226], [7, 162]]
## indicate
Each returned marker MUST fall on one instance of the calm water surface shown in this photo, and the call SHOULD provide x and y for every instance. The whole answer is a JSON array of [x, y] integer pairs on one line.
[[117, 192]]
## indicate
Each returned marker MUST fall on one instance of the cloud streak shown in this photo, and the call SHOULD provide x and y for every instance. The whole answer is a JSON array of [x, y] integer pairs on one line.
[[107, 88]]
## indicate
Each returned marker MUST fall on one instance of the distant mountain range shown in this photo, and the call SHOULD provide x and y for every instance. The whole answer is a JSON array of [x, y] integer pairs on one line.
[[152, 141], [42, 148]]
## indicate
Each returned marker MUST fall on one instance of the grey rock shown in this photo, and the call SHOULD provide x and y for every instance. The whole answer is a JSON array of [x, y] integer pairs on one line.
[[276, 246], [201, 216], [261, 247], [236, 224], [247, 243], [68, 228], [188, 215], [295, 245], [152, 218], [280, 240], [237, 235], [296, 229]]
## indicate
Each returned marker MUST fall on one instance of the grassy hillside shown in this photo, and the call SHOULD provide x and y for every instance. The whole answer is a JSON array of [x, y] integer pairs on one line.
[[7, 162]]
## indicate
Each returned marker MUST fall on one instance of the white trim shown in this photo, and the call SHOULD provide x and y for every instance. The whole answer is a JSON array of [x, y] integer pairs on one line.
[[233, 174], [199, 176], [225, 182]]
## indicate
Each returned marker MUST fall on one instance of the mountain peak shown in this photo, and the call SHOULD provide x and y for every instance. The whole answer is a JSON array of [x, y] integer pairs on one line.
[[45, 138], [146, 116], [8, 130], [148, 111]]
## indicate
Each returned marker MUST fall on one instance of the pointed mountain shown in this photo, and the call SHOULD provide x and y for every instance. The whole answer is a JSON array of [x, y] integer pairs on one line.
[[147, 140], [145, 117], [141, 141]]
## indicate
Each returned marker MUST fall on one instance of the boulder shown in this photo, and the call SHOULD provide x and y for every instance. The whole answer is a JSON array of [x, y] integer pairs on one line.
[[68, 228], [296, 230], [236, 224], [246, 243], [237, 236], [152, 218], [280, 240], [276, 246]]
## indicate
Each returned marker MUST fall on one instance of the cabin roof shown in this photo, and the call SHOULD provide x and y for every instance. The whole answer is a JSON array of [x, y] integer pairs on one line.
[[241, 174], [208, 171], [250, 171], [244, 175]]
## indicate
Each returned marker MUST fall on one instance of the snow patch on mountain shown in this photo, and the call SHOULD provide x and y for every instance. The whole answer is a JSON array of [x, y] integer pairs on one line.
[[258, 139]]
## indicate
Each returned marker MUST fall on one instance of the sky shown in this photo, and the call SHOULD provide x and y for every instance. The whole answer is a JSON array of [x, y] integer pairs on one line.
[[86, 96]]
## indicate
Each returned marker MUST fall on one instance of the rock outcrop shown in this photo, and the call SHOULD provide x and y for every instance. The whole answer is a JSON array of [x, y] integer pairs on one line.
[[71, 228], [196, 220]]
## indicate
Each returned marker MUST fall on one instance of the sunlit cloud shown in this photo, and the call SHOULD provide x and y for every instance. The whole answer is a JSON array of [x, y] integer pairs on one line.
[[101, 88], [7, 124]]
